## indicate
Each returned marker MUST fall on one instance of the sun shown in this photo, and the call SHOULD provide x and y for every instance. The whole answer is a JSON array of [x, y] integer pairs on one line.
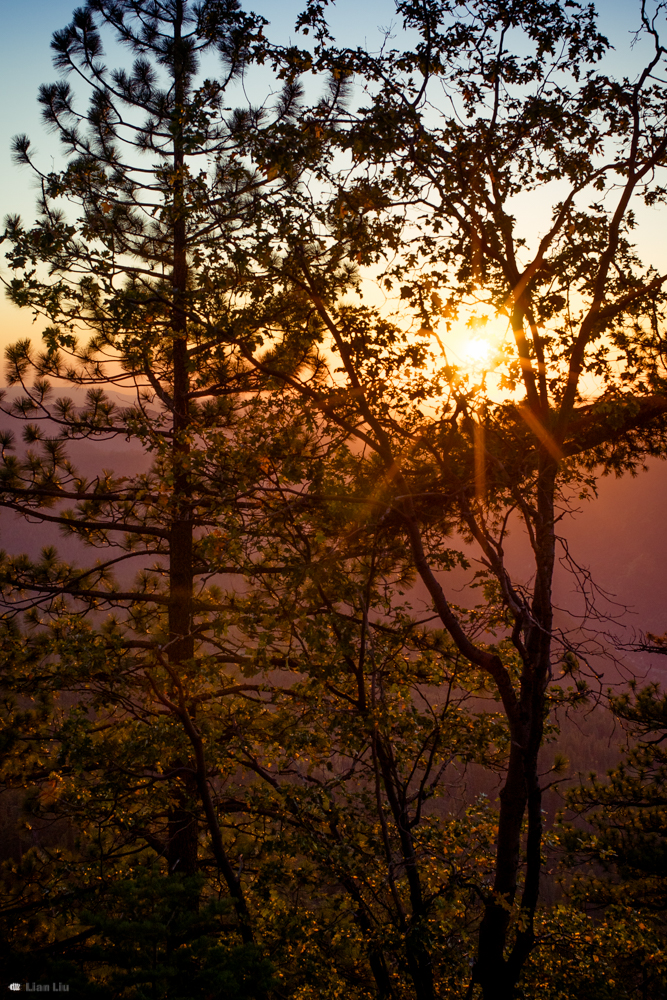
[[477, 351]]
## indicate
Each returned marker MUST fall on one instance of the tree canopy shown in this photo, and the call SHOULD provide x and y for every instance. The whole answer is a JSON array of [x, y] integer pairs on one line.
[[241, 719]]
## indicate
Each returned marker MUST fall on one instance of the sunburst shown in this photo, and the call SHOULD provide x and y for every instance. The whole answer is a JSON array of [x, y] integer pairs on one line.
[[477, 352]]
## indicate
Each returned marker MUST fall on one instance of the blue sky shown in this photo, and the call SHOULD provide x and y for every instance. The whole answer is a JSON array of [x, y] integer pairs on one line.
[[25, 63]]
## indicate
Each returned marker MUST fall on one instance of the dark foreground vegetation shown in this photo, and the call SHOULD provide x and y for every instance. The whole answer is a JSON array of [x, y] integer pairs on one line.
[[247, 706]]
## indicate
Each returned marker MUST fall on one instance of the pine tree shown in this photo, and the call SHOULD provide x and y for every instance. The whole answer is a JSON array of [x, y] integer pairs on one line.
[[140, 262]]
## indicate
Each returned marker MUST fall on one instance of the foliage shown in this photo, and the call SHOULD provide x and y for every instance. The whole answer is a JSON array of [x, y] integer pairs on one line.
[[618, 855], [577, 382], [242, 761], [618, 956]]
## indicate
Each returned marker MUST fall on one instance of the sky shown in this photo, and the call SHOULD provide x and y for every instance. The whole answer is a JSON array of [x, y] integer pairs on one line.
[[25, 63], [629, 512]]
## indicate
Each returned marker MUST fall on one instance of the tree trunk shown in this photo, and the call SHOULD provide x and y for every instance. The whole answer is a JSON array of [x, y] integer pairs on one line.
[[183, 825], [495, 971]]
